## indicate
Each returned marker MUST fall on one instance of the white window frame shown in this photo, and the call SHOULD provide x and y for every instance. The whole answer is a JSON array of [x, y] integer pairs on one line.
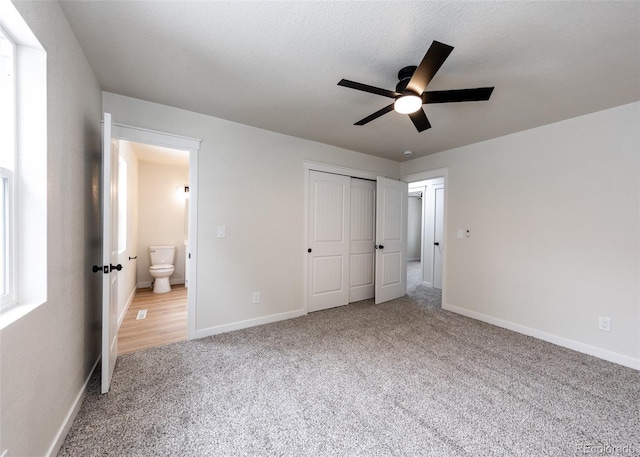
[[27, 184], [8, 206], [7, 238]]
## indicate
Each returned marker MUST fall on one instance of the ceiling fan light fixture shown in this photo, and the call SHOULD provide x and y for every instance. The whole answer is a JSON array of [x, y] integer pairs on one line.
[[407, 104]]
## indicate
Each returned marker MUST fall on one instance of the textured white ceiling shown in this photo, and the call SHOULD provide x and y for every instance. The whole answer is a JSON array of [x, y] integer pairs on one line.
[[276, 65]]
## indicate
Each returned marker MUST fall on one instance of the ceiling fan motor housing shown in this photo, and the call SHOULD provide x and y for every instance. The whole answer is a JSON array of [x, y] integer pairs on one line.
[[404, 75]]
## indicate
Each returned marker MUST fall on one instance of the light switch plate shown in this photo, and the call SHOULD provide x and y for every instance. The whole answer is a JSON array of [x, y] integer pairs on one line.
[[222, 231], [460, 234]]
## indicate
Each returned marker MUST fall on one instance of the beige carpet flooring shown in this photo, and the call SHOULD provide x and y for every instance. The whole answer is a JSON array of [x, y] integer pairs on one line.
[[402, 378]]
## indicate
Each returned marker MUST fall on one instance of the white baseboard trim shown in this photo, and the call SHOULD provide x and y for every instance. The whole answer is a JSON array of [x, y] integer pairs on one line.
[[126, 308], [248, 323], [558, 340], [71, 415]]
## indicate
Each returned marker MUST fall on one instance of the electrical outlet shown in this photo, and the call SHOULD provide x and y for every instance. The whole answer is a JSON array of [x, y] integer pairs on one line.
[[256, 297], [604, 324]]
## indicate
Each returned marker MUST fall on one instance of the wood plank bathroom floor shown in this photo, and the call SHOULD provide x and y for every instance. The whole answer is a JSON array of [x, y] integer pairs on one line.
[[166, 320]]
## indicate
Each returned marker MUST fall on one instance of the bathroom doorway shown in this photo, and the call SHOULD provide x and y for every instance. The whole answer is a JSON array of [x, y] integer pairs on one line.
[[157, 202]]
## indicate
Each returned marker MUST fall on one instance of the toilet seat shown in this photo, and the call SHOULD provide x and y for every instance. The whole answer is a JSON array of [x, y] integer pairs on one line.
[[164, 266]]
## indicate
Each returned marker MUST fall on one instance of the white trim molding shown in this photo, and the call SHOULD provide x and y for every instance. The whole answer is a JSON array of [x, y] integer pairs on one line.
[[557, 340], [71, 415], [249, 323], [338, 170], [170, 140], [126, 307], [424, 176]]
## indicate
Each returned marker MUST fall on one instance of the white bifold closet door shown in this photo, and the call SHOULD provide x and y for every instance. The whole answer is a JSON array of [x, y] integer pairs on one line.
[[329, 214], [348, 219], [362, 240], [391, 239]]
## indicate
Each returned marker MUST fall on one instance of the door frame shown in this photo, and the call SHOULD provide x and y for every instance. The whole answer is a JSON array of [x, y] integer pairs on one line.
[[335, 169], [424, 176], [169, 140]]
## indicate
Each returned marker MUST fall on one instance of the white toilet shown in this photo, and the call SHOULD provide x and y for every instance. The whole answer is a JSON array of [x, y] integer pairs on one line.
[[161, 267]]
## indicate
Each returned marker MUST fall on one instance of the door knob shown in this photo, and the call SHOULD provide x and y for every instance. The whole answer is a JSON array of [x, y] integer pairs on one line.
[[114, 267], [379, 246], [436, 243], [96, 268], [309, 250]]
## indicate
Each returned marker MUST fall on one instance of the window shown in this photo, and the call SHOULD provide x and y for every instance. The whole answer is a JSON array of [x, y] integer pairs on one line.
[[7, 166], [23, 168]]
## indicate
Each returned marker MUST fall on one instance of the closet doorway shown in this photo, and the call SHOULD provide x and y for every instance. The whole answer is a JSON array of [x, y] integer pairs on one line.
[[355, 238]]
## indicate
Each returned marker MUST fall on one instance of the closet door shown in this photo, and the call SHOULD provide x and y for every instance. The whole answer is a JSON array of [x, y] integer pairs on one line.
[[329, 216], [391, 239], [362, 240]]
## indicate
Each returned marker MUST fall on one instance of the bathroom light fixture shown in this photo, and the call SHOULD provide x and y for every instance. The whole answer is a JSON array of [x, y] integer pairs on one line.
[[408, 153], [183, 190], [407, 104]]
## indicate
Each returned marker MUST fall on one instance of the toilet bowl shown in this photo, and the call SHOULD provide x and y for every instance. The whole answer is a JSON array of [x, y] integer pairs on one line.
[[161, 267]]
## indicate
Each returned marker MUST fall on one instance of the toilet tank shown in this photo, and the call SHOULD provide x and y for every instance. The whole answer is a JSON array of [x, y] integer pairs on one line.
[[162, 255]]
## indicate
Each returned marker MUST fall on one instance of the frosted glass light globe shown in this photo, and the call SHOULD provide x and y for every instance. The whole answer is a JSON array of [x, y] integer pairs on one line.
[[407, 104]]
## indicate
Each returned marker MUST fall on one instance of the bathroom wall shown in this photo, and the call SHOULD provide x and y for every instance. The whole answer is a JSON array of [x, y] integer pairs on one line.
[[161, 213], [414, 237]]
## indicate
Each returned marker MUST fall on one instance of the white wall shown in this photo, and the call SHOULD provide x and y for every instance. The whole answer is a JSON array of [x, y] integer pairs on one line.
[[48, 354], [554, 214], [414, 237], [127, 278], [251, 182], [162, 216]]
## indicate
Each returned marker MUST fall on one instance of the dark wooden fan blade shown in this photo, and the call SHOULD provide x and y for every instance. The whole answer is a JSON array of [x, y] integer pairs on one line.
[[367, 88], [457, 95], [419, 119], [375, 115], [431, 63]]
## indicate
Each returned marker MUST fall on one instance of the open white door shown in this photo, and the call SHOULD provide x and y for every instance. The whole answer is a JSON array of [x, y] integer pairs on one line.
[[438, 236], [109, 252], [328, 240], [391, 239]]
